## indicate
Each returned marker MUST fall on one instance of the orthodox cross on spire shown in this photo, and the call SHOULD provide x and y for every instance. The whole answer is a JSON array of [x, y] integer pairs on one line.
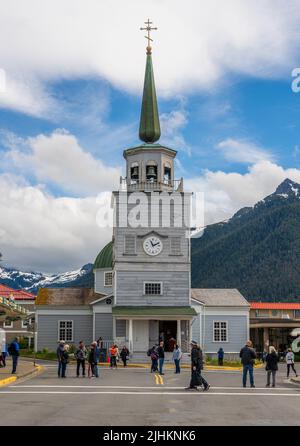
[[149, 124], [148, 28]]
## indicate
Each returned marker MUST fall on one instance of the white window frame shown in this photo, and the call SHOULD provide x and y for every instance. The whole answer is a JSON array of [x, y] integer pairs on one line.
[[152, 282], [219, 329], [105, 283], [11, 325], [58, 330], [25, 326]]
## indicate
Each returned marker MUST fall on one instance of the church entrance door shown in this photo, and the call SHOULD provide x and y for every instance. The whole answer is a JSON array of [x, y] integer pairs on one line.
[[168, 334], [140, 336]]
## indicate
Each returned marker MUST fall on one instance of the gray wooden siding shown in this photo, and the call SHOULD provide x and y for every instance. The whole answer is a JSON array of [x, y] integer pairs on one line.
[[103, 326], [130, 288], [237, 333], [99, 281], [121, 328], [196, 329], [48, 329]]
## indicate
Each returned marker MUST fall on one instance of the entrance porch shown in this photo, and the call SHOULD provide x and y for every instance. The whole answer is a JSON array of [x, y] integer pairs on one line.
[[142, 330]]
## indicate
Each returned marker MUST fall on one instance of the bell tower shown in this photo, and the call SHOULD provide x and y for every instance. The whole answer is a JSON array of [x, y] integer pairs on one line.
[[151, 257]]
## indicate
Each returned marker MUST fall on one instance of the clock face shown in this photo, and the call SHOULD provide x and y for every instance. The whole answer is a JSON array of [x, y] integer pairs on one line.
[[153, 246]]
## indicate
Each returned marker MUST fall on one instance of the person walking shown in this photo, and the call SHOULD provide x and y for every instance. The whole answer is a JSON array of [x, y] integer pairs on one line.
[[290, 362], [3, 355], [59, 352], [177, 355], [220, 356], [271, 360], [161, 357], [14, 351], [248, 356], [113, 356], [196, 368], [81, 355], [124, 355], [64, 360]]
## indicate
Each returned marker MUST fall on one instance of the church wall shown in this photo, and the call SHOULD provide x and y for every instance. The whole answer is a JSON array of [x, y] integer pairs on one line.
[[103, 326], [48, 329], [99, 281], [175, 288]]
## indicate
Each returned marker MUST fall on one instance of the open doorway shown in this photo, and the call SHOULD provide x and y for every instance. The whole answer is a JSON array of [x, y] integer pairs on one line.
[[168, 334]]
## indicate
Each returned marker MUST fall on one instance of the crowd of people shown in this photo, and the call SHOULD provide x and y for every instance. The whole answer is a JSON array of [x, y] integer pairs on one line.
[[87, 360]]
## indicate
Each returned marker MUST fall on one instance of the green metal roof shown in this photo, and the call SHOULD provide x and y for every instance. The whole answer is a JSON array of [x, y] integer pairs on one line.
[[105, 257], [149, 123], [153, 311]]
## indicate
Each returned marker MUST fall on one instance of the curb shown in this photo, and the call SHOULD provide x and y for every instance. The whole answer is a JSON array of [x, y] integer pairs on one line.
[[36, 371], [7, 381]]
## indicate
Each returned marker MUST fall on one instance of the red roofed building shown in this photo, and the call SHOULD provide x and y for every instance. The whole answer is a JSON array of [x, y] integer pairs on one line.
[[271, 323], [16, 327]]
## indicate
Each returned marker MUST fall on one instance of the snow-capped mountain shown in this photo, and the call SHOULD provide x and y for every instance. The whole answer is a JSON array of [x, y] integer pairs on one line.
[[31, 281]]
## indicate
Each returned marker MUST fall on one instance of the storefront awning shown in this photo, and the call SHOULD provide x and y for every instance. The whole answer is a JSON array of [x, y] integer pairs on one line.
[[153, 311]]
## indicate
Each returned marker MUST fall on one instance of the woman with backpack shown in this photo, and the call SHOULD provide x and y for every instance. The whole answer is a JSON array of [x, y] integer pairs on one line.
[[272, 360], [290, 362]]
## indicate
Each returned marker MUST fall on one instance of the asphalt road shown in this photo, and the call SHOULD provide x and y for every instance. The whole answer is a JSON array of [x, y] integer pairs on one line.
[[136, 397]]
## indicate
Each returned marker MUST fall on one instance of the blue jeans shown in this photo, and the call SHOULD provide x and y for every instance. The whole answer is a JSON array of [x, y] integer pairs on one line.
[[246, 369], [177, 365], [15, 363], [161, 364], [63, 369], [59, 368], [96, 370]]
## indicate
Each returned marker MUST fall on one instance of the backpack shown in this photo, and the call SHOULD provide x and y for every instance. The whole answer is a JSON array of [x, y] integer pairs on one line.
[[149, 352], [11, 349]]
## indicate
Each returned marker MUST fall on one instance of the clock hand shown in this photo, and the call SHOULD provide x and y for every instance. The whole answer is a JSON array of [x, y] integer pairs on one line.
[[158, 243]]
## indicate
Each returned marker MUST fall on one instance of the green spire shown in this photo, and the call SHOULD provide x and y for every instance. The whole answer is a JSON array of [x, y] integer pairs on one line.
[[149, 123]]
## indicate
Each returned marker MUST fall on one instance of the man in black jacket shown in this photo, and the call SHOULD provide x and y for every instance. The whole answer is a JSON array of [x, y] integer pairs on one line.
[[248, 356], [161, 357], [196, 368]]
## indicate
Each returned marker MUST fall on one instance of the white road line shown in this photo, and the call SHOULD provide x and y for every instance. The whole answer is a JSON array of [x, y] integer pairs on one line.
[[59, 392], [46, 386]]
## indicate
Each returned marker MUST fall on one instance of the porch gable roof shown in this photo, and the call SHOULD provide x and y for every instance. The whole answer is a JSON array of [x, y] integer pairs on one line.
[[153, 311]]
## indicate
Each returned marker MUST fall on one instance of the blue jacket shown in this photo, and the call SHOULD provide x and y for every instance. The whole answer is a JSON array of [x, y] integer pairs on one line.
[[221, 353], [177, 354]]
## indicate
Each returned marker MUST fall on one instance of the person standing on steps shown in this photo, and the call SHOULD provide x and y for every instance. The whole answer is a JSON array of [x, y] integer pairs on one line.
[[80, 355], [59, 352], [196, 368], [161, 357], [248, 356], [177, 357], [290, 362], [220, 356], [271, 360]]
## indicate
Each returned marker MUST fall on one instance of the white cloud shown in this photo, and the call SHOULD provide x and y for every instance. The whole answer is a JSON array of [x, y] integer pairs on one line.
[[171, 126], [42, 233], [198, 45], [226, 193], [242, 151], [59, 159]]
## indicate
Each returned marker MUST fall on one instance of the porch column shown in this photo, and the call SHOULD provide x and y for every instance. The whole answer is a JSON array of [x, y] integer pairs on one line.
[[114, 330], [130, 335], [178, 332]]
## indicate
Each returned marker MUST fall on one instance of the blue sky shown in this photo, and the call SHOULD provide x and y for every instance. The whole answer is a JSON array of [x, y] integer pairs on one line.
[[71, 103]]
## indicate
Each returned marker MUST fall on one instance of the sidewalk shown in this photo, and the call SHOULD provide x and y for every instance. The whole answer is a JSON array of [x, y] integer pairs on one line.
[[24, 368]]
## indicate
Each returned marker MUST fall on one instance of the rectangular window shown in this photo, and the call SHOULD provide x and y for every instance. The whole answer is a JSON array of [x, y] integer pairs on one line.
[[153, 288], [8, 324], [108, 278], [65, 331], [25, 324], [130, 244], [220, 331], [175, 247]]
